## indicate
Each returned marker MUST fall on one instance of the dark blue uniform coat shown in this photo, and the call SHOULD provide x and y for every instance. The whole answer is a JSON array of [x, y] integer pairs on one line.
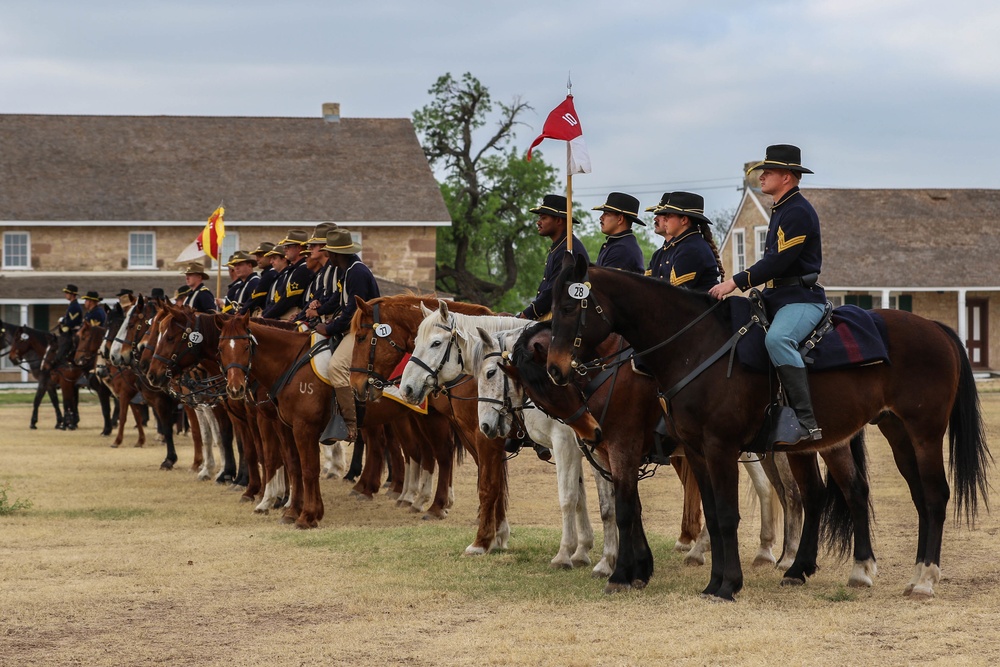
[[686, 261], [542, 305], [622, 251]]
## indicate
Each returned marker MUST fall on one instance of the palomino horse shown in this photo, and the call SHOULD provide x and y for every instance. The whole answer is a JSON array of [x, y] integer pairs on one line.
[[28, 346], [629, 411], [444, 350], [378, 351], [927, 388]]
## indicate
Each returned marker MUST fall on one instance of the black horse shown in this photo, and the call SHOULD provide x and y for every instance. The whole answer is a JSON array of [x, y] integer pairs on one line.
[[28, 346], [926, 389]]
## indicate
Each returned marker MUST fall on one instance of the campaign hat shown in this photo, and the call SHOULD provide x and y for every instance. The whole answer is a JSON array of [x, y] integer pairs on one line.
[[92, 296], [782, 156], [71, 289], [241, 256], [194, 267], [662, 202], [322, 229], [684, 203], [339, 241], [619, 202], [262, 249], [295, 237]]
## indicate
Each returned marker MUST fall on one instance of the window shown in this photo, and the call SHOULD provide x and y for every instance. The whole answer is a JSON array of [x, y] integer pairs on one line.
[[142, 250], [16, 250], [230, 244], [760, 240], [739, 254]]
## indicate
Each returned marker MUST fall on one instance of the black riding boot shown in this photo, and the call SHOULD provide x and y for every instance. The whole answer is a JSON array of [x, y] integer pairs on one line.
[[343, 422], [795, 382]]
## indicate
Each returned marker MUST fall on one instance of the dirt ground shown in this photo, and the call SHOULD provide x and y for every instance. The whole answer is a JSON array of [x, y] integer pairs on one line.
[[117, 562]]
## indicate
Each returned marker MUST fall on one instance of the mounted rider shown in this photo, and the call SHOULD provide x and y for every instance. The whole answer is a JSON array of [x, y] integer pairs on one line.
[[621, 249], [200, 297], [357, 281], [321, 297], [94, 311], [292, 282], [790, 267], [266, 277], [71, 321], [245, 284], [551, 223], [690, 257]]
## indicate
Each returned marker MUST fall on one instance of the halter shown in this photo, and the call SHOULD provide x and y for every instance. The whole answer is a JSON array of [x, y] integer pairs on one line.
[[582, 322], [375, 379], [452, 342], [507, 407], [253, 346]]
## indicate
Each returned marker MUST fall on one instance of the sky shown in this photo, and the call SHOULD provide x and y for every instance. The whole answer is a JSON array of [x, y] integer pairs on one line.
[[671, 95]]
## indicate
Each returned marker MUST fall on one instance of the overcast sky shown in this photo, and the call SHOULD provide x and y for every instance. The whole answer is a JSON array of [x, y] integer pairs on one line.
[[671, 95]]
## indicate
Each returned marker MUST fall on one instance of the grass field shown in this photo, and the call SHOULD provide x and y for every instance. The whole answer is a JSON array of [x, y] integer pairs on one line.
[[116, 562]]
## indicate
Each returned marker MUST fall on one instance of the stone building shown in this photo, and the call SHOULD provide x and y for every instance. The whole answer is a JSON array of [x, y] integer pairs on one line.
[[932, 252], [106, 202]]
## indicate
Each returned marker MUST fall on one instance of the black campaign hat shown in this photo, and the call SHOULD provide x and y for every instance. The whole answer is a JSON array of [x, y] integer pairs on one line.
[[71, 289], [782, 156], [123, 292], [554, 205], [684, 203], [158, 293], [92, 296], [619, 202], [659, 204]]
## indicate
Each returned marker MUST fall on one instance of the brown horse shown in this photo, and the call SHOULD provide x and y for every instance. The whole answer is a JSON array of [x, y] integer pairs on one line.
[[28, 346], [377, 351], [926, 390]]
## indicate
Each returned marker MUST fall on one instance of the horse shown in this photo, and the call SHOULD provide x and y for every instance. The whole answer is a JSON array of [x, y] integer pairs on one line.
[[629, 410], [445, 348], [124, 353], [378, 350], [28, 346], [926, 389]]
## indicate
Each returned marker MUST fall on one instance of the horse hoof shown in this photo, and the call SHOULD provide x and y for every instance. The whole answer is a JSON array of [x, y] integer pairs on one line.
[[33, 427], [474, 550], [792, 581], [611, 588], [115, 445], [639, 584], [561, 565], [435, 514], [761, 561], [167, 465], [139, 445], [286, 520], [246, 499], [694, 561]]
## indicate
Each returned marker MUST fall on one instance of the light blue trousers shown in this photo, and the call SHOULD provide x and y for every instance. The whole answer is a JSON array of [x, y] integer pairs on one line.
[[789, 327]]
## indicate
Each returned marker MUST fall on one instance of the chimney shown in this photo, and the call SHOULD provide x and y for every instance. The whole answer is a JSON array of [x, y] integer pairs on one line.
[[331, 112], [751, 180]]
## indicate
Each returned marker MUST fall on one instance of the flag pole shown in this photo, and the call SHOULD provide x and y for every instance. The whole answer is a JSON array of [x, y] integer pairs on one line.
[[569, 182], [218, 273]]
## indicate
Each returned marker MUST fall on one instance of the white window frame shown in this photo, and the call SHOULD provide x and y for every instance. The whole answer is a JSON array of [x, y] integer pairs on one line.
[[739, 251], [133, 265], [230, 244], [760, 240], [27, 265]]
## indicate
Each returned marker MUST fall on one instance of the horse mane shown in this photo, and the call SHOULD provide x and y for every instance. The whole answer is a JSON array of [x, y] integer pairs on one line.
[[478, 353], [534, 376], [402, 302]]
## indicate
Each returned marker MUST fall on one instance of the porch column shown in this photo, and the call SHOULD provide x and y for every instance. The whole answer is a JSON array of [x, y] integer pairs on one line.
[[963, 324], [885, 298], [24, 322]]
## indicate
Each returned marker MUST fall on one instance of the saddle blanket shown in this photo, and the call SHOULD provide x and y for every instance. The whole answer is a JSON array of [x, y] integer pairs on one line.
[[392, 391], [321, 362], [858, 338]]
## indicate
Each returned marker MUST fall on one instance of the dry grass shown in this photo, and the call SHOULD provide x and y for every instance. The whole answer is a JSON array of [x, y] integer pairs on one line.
[[119, 563]]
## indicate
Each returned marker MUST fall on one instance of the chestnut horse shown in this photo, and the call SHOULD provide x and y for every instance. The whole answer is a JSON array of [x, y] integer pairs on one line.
[[926, 389], [379, 350]]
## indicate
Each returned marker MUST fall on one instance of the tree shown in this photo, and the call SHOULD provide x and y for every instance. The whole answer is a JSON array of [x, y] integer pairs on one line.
[[488, 189]]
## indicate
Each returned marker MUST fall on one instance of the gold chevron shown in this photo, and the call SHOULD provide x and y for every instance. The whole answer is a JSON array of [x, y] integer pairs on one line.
[[676, 280], [784, 245]]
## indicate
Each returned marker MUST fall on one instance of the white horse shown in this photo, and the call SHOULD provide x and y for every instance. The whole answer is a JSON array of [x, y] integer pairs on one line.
[[443, 351]]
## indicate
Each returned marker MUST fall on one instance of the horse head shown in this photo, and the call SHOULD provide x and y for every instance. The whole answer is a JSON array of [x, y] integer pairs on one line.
[[176, 341], [236, 350], [563, 402], [91, 337], [579, 319], [500, 399], [436, 358], [380, 343]]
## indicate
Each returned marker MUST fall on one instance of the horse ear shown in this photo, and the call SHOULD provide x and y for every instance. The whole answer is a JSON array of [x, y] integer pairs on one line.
[[362, 304], [424, 310], [511, 372], [220, 320], [581, 266], [443, 309], [485, 336]]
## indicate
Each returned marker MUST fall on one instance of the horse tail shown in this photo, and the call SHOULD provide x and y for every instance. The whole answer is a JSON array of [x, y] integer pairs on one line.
[[837, 522], [969, 455]]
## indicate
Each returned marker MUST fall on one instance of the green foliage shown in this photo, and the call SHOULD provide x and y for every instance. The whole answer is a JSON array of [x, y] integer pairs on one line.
[[589, 231], [839, 595], [9, 507], [488, 188]]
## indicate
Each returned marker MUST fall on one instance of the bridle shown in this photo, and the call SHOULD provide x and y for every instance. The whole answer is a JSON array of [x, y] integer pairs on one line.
[[452, 343], [507, 407], [376, 380], [243, 367], [194, 338]]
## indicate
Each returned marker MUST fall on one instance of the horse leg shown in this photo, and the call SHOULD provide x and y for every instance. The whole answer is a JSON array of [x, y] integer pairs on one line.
[[307, 432], [634, 563], [291, 457], [252, 450], [357, 455], [226, 434], [137, 416], [780, 475], [204, 438], [805, 468], [566, 456], [606, 499], [335, 465], [104, 397], [924, 475], [848, 510], [769, 508], [493, 531], [274, 470], [197, 441], [719, 482], [436, 432], [40, 391], [370, 479], [396, 479], [691, 514]]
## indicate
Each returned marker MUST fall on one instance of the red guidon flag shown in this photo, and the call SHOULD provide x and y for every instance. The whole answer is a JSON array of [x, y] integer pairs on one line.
[[209, 242], [564, 125]]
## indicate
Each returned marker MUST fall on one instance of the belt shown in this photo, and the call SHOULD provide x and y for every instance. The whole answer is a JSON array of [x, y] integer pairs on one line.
[[793, 281]]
